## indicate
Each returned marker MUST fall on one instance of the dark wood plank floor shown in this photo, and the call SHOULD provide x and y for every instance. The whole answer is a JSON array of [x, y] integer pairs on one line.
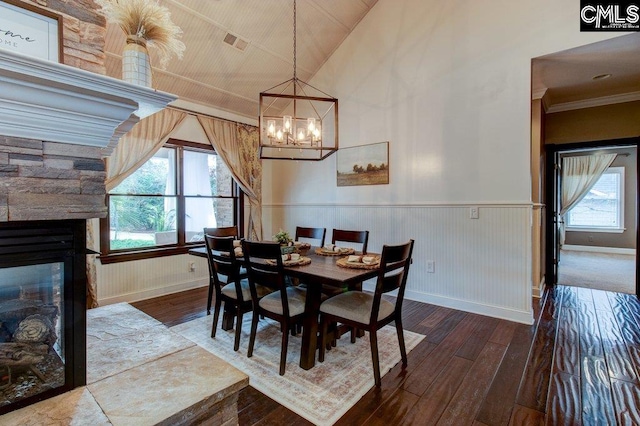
[[579, 364]]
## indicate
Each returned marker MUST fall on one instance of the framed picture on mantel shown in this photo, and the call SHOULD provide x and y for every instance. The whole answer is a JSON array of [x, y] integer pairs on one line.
[[363, 165], [30, 30]]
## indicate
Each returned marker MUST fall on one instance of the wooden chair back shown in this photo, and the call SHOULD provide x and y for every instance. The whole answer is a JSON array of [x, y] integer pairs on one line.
[[358, 237], [311, 233], [226, 231], [394, 270], [262, 273], [222, 261]]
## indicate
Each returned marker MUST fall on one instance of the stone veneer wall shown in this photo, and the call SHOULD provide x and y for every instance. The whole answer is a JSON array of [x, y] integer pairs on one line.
[[42, 180], [83, 33]]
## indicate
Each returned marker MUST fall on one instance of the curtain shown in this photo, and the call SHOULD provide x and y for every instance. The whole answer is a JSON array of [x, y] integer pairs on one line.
[[137, 146], [238, 145], [579, 175], [132, 151]]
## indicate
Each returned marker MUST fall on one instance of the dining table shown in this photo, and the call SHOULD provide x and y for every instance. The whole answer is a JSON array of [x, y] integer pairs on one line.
[[323, 270]]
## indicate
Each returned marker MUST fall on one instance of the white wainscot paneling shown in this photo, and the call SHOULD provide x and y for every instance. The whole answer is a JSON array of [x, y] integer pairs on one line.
[[481, 265], [143, 279]]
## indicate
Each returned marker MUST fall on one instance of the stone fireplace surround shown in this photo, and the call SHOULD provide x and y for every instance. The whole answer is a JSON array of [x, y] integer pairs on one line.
[[56, 124]]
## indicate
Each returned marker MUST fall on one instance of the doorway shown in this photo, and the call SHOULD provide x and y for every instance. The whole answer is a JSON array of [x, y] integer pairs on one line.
[[590, 256]]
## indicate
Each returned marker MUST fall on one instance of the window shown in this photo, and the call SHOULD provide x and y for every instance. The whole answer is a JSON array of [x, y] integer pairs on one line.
[[603, 207], [164, 205]]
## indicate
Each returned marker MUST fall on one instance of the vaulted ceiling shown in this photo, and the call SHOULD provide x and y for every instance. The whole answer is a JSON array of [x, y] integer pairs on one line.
[[260, 56], [239, 48]]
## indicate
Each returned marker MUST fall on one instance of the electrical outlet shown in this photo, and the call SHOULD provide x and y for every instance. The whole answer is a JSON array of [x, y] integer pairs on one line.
[[474, 213], [431, 266], [590, 238]]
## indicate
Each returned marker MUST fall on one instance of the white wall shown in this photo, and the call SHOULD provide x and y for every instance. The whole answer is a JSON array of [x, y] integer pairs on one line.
[[448, 84]]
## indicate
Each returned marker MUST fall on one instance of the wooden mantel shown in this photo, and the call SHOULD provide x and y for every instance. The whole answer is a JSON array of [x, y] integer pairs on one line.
[[49, 101]]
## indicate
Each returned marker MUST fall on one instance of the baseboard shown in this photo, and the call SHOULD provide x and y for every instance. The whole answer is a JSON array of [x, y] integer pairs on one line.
[[155, 292], [539, 291], [596, 249], [462, 305], [476, 308]]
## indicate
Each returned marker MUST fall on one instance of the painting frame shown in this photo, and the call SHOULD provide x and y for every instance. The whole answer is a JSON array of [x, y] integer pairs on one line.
[[31, 30], [363, 165]]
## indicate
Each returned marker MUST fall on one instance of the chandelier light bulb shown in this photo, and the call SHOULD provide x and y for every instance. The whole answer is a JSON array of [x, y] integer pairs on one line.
[[271, 128], [311, 125], [286, 123]]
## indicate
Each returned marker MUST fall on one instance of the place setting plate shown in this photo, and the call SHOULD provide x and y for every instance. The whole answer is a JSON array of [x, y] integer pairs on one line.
[[342, 251], [359, 262], [301, 261]]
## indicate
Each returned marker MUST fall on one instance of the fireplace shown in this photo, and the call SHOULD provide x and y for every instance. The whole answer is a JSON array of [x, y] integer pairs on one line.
[[42, 310], [57, 124]]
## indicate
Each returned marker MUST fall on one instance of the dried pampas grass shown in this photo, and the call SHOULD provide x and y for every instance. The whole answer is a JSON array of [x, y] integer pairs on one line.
[[148, 20]]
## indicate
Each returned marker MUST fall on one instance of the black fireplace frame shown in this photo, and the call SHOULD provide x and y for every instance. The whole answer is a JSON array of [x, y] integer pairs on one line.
[[36, 242]]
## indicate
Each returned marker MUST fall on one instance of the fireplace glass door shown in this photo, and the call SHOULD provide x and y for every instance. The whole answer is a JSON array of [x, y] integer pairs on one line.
[[42, 311], [32, 350]]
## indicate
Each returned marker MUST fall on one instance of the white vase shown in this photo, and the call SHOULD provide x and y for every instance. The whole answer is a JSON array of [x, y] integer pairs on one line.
[[136, 67]]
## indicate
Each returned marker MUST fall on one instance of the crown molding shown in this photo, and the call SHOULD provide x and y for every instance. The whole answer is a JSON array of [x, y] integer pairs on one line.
[[594, 102]]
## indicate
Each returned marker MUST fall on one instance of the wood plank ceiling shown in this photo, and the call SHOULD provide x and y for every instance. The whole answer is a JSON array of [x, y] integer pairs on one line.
[[230, 77]]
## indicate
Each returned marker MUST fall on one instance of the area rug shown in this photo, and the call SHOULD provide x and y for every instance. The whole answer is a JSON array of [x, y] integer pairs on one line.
[[322, 394]]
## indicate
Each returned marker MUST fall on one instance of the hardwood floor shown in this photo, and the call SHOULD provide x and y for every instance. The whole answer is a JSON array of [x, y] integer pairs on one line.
[[577, 365]]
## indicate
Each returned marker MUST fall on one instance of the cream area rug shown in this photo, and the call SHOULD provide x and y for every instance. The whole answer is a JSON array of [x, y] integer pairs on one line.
[[322, 394]]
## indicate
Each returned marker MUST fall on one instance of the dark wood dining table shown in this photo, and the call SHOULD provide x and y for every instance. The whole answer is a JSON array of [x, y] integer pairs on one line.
[[321, 270]]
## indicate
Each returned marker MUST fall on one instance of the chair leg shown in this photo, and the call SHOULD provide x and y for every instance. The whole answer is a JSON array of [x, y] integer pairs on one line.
[[216, 315], [283, 350], [236, 342], [209, 297], [323, 337], [252, 337], [403, 350], [373, 337]]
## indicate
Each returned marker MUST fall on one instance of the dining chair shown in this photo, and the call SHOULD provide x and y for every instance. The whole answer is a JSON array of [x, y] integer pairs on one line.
[[358, 237], [317, 234], [311, 233], [233, 290], [370, 312], [227, 231], [286, 304], [344, 236]]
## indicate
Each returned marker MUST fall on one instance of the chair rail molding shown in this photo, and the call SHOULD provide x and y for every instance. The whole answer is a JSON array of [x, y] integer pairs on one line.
[[49, 101]]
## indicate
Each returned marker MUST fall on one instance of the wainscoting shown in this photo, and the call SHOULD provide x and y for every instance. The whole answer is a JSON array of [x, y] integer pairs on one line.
[[480, 265], [143, 279]]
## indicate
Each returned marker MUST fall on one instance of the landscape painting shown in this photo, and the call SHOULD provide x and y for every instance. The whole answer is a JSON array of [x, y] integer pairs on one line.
[[363, 165]]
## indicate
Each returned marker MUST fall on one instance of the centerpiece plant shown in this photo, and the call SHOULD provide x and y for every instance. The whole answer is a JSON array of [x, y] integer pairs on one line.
[[283, 238]]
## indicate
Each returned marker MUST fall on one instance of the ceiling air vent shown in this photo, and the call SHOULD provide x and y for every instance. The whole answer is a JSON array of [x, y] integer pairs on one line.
[[235, 41], [230, 39]]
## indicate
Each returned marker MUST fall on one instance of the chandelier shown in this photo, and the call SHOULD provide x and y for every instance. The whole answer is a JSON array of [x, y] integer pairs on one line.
[[297, 121]]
